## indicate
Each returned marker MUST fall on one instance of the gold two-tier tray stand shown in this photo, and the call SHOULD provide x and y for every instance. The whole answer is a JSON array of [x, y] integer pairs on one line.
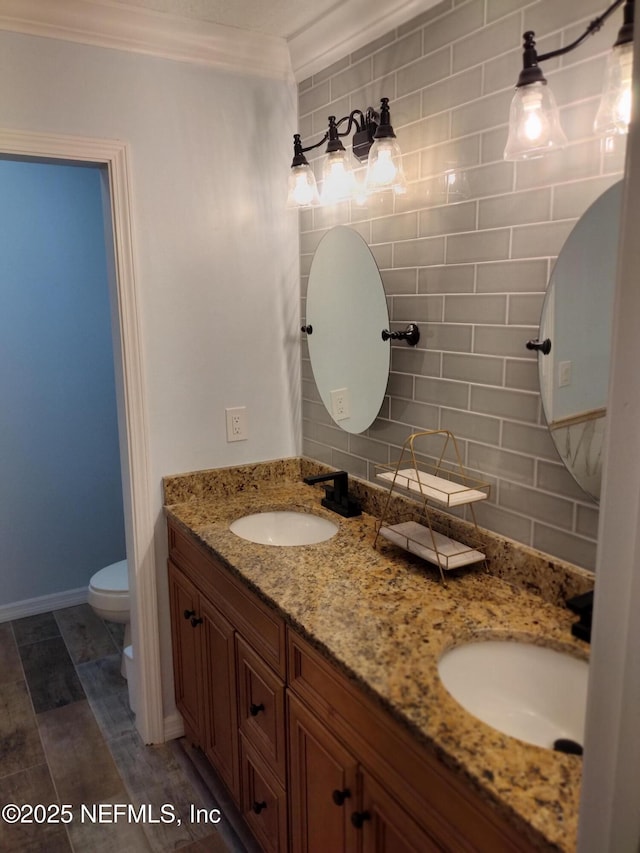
[[430, 471]]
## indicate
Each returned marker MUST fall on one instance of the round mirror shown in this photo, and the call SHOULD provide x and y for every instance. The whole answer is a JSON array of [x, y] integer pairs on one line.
[[576, 319], [347, 312]]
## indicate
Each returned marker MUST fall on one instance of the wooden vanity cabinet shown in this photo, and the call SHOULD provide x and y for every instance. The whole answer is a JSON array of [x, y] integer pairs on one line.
[[401, 797], [314, 763], [205, 676], [229, 663], [335, 803]]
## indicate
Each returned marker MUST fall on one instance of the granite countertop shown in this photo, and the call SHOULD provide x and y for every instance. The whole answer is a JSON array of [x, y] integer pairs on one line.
[[384, 618]]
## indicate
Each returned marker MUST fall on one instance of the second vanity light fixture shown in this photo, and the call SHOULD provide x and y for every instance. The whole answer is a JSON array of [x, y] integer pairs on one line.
[[534, 121], [374, 140]]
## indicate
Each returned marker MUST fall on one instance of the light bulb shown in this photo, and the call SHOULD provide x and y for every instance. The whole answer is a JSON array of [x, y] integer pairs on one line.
[[534, 123], [384, 167], [303, 191], [339, 183]]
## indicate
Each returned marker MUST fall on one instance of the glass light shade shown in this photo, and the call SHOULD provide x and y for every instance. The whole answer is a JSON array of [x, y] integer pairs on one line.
[[614, 112], [534, 123], [303, 190], [338, 180], [384, 167]]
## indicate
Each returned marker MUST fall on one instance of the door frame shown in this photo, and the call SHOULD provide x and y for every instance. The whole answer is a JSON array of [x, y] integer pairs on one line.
[[132, 409]]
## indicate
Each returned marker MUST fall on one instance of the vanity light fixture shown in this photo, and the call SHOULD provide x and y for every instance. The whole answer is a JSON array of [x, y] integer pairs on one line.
[[374, 140], [534, 121]]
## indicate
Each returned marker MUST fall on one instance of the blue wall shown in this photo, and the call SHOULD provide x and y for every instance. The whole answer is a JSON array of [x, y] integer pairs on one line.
[[61, 515]]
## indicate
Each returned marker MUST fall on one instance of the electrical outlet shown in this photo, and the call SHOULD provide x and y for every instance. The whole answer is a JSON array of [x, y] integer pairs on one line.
[[340, 404], [564, 374], [237, 427]]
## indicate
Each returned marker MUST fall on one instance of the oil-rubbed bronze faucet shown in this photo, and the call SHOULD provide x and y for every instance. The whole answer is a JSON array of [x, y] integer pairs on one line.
[[582, 605], [337, 496]]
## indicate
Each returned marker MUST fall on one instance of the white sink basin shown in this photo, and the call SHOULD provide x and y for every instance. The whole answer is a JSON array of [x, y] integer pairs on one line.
[[530, 692], [284, 528]]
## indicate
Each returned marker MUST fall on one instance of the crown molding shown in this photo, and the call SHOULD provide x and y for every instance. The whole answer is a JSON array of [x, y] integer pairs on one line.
[[104, 24], [345, 29], [349, 26]]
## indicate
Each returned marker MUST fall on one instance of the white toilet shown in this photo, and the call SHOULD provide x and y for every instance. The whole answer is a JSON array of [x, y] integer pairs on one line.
[[109, 598]]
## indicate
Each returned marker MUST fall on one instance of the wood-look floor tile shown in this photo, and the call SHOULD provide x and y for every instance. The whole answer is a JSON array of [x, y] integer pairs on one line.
[[84, 633], [20, 745], [116, 629], [232, 828], [32, 629], [211, 844], [80, 762], [51, 676], [112, 835], [10, 666], [108, 695], [153, 776], [33, 786]]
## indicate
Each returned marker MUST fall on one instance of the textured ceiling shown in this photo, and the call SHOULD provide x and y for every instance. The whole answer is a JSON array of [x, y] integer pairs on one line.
[[283, 18]]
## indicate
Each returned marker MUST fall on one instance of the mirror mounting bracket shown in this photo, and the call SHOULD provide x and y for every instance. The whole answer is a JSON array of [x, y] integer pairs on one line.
[[543, 346], [411, 335]]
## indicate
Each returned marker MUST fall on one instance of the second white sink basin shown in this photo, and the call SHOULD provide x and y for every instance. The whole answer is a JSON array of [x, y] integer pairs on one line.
[[284, 527], [530, 692]]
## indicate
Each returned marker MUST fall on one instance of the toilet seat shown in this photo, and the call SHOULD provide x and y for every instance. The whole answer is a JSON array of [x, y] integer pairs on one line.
[[109, 592], [112, 579]]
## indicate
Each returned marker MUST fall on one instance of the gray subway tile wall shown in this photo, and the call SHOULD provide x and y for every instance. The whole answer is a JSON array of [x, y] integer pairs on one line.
[[472, 274]]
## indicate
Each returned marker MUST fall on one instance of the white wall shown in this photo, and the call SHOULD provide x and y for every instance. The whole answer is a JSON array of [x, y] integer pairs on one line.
[[216, 255]]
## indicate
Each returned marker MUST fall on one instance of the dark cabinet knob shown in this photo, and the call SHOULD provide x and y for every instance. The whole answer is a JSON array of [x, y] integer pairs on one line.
[[189, 613], [195, 622], [258, 807], [358, 819], [254, 709], [339, 797]]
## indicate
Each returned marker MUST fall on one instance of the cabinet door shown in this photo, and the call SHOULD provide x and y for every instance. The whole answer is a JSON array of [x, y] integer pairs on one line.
[[385, 826], [187, 661], [322, 787], [220, 735]]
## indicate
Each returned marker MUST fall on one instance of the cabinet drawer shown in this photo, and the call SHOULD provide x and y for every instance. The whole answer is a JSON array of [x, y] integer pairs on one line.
[[264, 801], [261, 708], [254, 619]]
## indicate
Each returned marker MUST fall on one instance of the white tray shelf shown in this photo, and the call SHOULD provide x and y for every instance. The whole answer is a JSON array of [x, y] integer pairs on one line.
[[439, 484], [446, 487], [432, 546]]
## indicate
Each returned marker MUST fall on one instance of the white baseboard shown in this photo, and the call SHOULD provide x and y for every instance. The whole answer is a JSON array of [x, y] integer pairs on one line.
[[43, 604], [173, 726]]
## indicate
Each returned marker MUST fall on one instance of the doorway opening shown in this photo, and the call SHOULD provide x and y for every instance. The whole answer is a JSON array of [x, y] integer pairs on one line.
[[112, 157], [60, 480]]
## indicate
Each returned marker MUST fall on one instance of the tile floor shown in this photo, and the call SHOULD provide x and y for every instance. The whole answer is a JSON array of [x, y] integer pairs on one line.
[[67, 735]]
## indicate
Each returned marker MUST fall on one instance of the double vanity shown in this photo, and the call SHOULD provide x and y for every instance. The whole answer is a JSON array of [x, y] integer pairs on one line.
[[311, 675]]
